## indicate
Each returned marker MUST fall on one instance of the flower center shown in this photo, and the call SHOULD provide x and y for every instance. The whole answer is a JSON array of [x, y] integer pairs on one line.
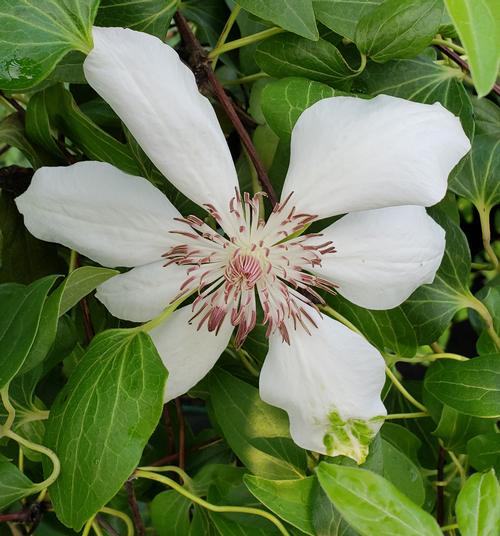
[[243, 270], [256, 258]]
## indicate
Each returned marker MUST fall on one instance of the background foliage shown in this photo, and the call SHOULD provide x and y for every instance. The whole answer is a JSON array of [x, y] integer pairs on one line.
[[227, 452]]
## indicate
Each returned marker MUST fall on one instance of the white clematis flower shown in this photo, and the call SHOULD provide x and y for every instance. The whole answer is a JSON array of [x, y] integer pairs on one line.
[[383, 160]]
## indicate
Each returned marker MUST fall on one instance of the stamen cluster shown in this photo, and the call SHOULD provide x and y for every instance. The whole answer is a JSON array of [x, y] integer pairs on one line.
[[255, 258]]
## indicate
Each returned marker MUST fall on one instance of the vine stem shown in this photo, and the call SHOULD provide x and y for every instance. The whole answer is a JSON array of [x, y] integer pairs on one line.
[[209, 506], [478, 306], [56, 464], [182, 433], [484, 219], [403, 391], [334, 314], [134, 507], [448, 528], [416, 415], [167, 468], [244, 41], [199, 60], [426, 358], [449, 44], [225, 32], [120, 515], [459, 61], [246, 79]]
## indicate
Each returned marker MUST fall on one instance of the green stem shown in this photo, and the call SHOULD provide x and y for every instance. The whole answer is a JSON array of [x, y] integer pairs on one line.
[[121, 515], [88, 526], [403, 391], [213, 507], [334, 314], [482, 266], [148, 326], [225, 32], [245, 79], [97, 529], [484, 218], [244, 41], [478, 306], [447, 528], [426, 358], [73, 260], [11, 412], [56, 465], [167, 468], [416, 415], [449, 44]]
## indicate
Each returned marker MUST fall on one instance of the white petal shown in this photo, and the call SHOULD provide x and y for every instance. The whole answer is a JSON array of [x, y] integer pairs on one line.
[[156, 96], [329, 383], [352, 154], [188, 354], [111, 217], [383, 255], [143, 292]]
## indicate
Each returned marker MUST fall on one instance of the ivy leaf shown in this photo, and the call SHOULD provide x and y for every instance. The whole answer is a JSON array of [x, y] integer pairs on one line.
[[342, 16], [398, 28], [36, 34], [12, 133], [296, 16], [478, 26], [477, 506], [477, 177], [21, 308], [403, 473], [387, 330], [487, 116], [55, 108], [170, 513], [151, 16], [102, 419], [290, 55], [420, 79], [430, 308], [289, 499], [23, 258], [484, 452], [14, 484], [372, 505], [470, 387], [284, 100], [257, 432]]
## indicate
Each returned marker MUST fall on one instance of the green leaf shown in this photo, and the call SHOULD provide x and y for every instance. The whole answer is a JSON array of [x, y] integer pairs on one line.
[[291, 55], [471, 387], [209, 15], [455, 429], [14, 484], [372, 505], [151, 16], [101, 421], [12, 133], [342, 16], [398, 28], [478, 506], [478, 26], [403, 439], [36, 34], [431, 308], [296, 16], [420, 79], [284, 100], [403, 473], [21, 308], [387, 330], [477, 179], [65, 116], [79, 283], [487, 116], [289, 499], [484, 452], [170, 513], [257, 432]]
